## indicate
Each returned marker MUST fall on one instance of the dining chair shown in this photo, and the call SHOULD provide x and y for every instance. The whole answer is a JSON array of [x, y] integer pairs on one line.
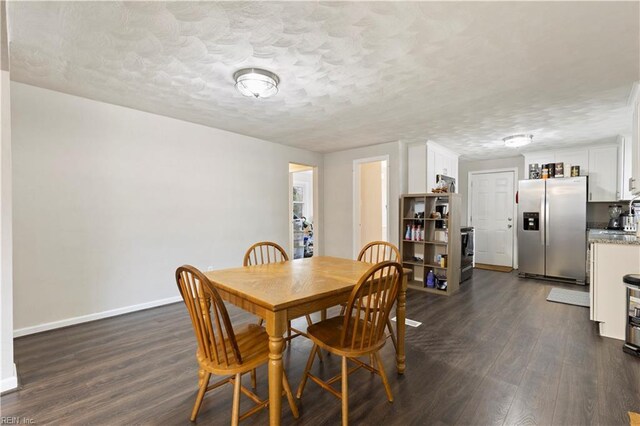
[[266, 252], [223, 350], [376, 252], [360, 332]]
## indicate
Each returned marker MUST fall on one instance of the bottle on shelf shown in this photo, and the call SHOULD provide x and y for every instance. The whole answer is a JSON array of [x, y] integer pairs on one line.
[[422, 234], [407, 235], [430, 280], [413, 233]]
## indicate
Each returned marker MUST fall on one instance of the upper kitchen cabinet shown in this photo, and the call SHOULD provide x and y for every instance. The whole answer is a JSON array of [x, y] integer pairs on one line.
[[603, 173], [599, 162], [625, 161], [425, 161], [634, 100]]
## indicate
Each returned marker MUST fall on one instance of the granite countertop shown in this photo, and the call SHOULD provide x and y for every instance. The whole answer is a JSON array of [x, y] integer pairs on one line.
[[613, 237]]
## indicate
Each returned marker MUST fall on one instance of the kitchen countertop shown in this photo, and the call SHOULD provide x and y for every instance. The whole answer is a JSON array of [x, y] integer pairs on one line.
[[602, 236]]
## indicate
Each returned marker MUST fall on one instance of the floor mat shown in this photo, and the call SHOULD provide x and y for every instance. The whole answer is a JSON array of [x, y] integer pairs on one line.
[[569, 297]]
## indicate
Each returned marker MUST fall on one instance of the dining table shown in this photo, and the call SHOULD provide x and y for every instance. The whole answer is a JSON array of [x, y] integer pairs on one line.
[[283, 291]]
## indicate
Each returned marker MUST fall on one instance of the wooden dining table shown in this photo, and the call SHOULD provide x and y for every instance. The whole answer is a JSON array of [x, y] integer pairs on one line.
[[280, 292]]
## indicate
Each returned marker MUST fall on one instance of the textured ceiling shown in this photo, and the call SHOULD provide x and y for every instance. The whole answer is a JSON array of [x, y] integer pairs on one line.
[[352, 73]]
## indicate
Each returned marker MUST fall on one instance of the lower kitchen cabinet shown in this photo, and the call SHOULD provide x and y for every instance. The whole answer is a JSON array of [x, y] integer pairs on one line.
[[609, 263]]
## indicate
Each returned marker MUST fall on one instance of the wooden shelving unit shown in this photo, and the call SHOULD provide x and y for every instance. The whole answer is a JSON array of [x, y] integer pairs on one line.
[[442, 237]]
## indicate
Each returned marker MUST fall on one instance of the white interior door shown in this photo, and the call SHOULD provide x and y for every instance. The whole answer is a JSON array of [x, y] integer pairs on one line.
[[492, 216]]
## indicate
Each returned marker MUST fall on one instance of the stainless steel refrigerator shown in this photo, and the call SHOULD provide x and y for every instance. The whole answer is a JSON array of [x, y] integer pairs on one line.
[[552, 233]]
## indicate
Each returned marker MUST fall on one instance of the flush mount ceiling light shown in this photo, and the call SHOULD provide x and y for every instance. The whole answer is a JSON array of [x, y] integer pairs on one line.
[[516, 141], [256, 83]]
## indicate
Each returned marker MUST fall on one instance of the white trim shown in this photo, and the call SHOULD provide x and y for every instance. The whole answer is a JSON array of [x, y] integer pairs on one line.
[[356, 199], [10, 382], [515, 170], [92, 317]]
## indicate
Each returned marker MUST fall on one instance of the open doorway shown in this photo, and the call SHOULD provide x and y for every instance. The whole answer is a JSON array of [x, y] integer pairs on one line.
[[371, 201], [302, 184]]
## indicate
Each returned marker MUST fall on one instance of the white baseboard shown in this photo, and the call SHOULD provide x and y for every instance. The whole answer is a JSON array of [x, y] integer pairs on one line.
[[10, 382], [92, 317]]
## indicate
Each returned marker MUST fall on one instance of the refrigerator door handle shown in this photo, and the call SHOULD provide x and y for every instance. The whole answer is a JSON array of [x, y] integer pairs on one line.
[[546, 221], [543, 225]]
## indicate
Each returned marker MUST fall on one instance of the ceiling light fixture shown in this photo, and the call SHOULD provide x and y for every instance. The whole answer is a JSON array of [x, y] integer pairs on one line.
[[256, 83], [516, 141]]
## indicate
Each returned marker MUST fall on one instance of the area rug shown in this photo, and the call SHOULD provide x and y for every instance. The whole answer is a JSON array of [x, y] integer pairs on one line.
[[569, 297]]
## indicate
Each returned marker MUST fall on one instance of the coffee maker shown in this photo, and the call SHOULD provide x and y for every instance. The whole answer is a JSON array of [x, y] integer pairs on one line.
[[615, 210]]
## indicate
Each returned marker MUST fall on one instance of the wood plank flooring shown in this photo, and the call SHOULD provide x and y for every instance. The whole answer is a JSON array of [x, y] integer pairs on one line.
[[494, 353]]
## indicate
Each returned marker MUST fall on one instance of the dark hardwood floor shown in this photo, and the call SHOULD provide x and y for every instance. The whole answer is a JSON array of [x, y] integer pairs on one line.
[[495, 353]]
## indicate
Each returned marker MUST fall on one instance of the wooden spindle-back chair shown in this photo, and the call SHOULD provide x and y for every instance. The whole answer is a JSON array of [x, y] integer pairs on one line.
[[266, 252], [379, 251], [376, 252], [359, 332], [221, 349]]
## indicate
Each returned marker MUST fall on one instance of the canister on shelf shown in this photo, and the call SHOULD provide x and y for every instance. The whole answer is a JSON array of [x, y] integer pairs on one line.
[[575, 171]]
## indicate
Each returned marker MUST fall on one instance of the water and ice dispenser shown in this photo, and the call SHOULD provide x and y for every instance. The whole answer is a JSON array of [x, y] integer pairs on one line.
[[531, 221]]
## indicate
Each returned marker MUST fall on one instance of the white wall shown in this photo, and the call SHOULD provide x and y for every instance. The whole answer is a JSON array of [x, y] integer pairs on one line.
[[7, 369], [108, 201], [338, 194], [475, 166]]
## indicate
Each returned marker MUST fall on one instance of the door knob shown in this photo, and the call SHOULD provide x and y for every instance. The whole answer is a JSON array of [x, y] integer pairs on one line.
[[509, 219], [509, 226]]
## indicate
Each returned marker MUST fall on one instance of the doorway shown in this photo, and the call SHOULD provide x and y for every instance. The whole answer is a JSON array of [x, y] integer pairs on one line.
[[370, 201], [303, 205], [492, 214]]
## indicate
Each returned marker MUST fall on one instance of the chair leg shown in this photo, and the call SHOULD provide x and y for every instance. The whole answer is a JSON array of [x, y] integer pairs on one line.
[[372, 361], [343, 309], [309, 322], [253, 379], [235, 410], [345, 392], [393, 335], [287, 390], [260, 322], [303, 382], [204, 382], [288, 330], [383, 375]]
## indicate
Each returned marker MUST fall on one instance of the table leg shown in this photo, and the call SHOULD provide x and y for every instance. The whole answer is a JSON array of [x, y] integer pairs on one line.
[[400, 325], [276, 326]]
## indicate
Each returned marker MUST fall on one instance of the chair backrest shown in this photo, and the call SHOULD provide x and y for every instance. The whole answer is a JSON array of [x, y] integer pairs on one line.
[[210, 319], [379, 251], [264, 252], [369, 306]]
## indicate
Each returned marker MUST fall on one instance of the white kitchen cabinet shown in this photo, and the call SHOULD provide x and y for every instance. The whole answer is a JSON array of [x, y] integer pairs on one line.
[[425, 161], [635, 140], [626, 167], [603, 173], [417, 168], [570, 157], [609, 263], [573, 157]]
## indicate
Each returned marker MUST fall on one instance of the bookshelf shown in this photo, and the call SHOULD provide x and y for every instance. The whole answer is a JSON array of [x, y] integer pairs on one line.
[[441, 237]]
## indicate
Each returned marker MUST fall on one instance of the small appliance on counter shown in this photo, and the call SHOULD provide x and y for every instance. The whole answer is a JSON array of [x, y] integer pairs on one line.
[[615, 222]]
